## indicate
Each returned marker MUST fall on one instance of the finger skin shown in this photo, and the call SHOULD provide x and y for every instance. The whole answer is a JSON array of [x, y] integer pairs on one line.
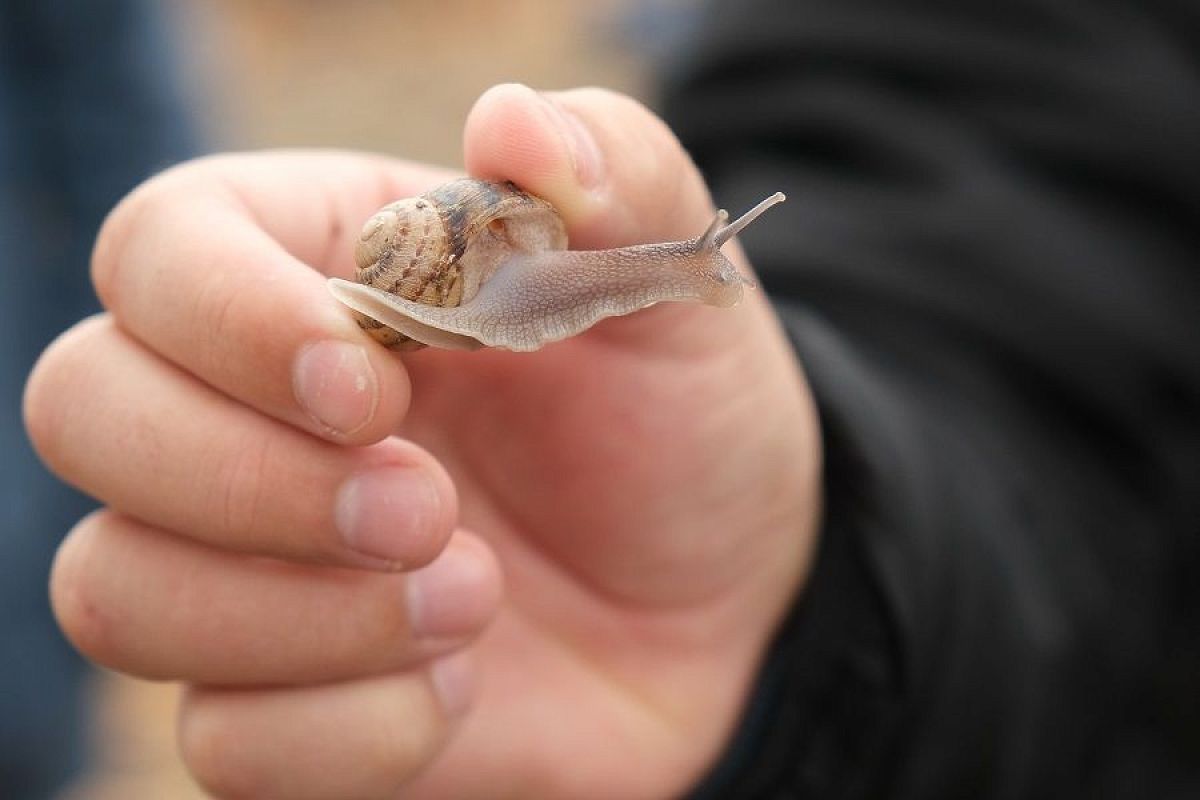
[[618, 176], [636, 183], [360, 739], [217, 266], [155, 443], [157, 606], [676, 374]]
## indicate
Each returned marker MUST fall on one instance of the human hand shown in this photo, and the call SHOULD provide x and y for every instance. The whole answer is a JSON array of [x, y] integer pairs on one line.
[[310, 532]]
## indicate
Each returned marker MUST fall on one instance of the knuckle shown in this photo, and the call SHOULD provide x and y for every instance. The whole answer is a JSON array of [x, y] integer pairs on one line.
[[110, 243], [78, 608], [240, 486], [213, 750], [145, 212], [399, 745], [40, 406], [137, 212], [53, 382], [214, 314]]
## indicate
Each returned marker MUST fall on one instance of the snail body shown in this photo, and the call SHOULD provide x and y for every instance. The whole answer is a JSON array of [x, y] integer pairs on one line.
[[474, 263]]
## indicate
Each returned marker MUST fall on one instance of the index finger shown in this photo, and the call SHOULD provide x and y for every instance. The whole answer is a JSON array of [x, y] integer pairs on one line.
[[217, 267]]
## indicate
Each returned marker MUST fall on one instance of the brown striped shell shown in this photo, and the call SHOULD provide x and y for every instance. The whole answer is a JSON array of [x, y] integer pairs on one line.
[[437, 249]]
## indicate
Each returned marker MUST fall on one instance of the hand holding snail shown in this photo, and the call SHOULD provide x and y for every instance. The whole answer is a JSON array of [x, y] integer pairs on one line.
[[473, 264], [380, 575]]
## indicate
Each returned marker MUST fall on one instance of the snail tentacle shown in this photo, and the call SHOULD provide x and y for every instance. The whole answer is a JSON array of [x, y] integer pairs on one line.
[[732, 229]]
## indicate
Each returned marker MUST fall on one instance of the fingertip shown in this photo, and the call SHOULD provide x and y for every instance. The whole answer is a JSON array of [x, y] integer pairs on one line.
[[515, 133], [615, 172], [347, 388], [505, 137], [459, 593], [455, 682], [398, 512], [395, 396]]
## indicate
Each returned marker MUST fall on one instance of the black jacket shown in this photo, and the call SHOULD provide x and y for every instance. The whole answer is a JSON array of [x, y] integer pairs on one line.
[[989, 262]]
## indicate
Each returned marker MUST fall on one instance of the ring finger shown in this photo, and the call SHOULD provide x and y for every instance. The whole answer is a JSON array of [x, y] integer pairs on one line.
[[158, 606]]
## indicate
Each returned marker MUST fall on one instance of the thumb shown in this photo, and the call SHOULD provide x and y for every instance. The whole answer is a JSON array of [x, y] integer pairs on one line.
[[618, 176], [613, 170]]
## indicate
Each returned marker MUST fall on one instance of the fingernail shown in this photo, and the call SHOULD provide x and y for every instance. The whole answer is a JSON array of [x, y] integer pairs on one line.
[[450, 597], [454, 682], [335, 385], [586, 158], [387, 513]]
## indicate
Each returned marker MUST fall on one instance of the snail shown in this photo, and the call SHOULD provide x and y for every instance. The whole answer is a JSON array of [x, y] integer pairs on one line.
[[474, 263]]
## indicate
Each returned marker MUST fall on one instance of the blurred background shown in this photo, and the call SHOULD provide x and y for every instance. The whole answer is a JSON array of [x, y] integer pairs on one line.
[[95, 97]]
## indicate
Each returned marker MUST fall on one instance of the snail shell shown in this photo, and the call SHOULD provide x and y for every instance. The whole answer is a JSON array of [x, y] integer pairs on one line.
[[474, 263], [438, 248]]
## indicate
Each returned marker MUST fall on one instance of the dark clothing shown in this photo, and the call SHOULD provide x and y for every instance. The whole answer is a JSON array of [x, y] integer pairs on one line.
[[87, 110], [989, 263]]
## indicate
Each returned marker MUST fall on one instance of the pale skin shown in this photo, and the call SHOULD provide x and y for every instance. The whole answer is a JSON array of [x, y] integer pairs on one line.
[[489, 574]]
